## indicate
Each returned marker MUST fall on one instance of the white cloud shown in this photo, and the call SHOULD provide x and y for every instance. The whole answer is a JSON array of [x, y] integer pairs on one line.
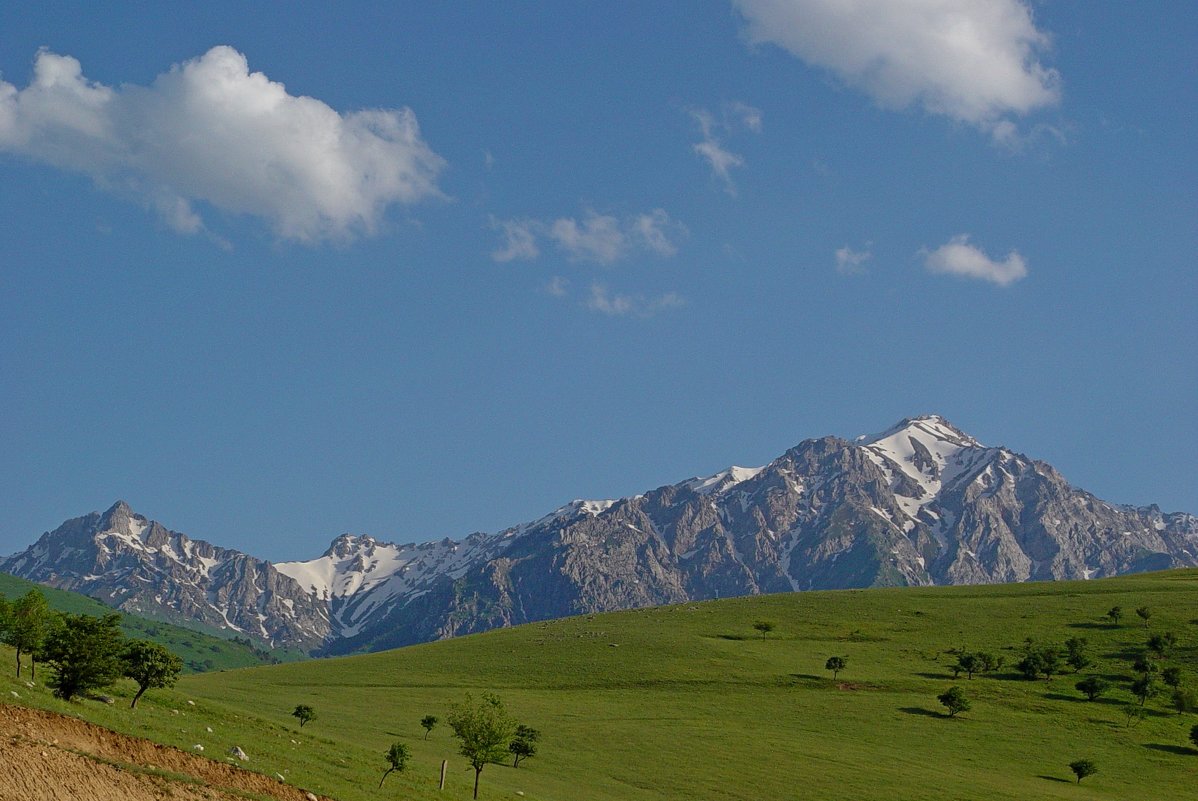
[[519, 240], [558, 286], [721, 160], [851, 262], [959, 257], [616, 305], [211, 131], [597, 238], [974, 61]]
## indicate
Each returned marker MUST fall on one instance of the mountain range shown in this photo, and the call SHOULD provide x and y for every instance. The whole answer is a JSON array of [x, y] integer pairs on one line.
[[918, 504]]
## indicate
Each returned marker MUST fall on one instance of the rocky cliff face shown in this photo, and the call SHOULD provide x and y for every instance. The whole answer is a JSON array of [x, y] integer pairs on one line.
[[921, 503], [138, 565]]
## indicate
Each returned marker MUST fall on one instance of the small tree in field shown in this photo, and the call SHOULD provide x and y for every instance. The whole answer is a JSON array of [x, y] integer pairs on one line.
[[1082, 768], [764, 626], [1171, 676], [484, 729], [428, 722], [29, 621], [85, 653], [835, 664], [969, 663], [1092, 687], [150, 665], [1144, 688], [1162, 644], [954, 700], [524, 744], [397, 759], [1075, 654], [1144, 614], [1185, 700], [304, 714], [1115, 614]]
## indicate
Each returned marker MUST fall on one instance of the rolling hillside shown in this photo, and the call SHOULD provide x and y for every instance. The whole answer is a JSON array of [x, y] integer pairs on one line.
[[689, 701]]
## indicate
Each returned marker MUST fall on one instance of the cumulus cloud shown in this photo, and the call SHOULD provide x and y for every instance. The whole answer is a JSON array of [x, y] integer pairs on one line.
[[613, 304], [974, 61], [851, 262], [211, 131], [959, 257], [735, 116], [596, 238]]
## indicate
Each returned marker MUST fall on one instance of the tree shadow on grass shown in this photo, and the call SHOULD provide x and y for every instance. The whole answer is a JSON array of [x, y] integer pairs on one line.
[[806, 677], [1181, 750], [946, 676], [919, 710], [1082, 699], [1048, 778], [1099, 626]]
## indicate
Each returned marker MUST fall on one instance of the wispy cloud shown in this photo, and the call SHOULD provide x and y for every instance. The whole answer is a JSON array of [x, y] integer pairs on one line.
[[519, 240], [596, 238], [613, 304], [852, 262], [974, 61], [558, 287], [211, 131], [735, 116], [959, 257]]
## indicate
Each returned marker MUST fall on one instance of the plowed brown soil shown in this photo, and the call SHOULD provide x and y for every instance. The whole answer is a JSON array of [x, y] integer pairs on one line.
[[49, 757]]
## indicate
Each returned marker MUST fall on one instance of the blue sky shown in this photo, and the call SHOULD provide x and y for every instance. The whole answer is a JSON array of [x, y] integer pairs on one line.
[[275, 273]]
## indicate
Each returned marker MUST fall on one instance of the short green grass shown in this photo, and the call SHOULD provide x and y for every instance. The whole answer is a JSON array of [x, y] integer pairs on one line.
[[689, 702], [199, 651]]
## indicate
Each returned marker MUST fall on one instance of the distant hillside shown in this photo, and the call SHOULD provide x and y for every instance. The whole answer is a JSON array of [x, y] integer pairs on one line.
[[200, 652], [692, 702]]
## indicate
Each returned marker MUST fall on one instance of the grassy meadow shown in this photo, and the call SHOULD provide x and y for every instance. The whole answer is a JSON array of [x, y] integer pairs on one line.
[[690, 702]]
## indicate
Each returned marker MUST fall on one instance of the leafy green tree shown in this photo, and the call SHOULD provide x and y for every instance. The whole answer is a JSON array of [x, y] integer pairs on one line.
[[524, 744], [1115, 613], [1162, 644], [150, 665], [1171, 676], [764, 626], [1076, 655], [428, 722], [5, 617], [836, 664], [85, 653], [1092, 687], [1144, 664], [1144, 613], [397, 760], [1194, 734], [1144, 688], [969, 664], [990, 662], [29, 622], [1044, 660], [304, 714], [1082, 768], [484, 730], [954, 699], [1185, 700]]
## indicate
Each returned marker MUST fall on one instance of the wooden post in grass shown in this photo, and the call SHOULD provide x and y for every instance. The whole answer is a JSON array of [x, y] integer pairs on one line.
[[444, 764]]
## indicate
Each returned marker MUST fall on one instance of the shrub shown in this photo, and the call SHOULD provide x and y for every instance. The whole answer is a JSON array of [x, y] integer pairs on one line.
[[954, 699], [1083, 768], [1092, 687]]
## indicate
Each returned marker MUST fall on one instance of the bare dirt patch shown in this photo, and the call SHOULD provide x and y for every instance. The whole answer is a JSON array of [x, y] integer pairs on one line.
[[49, 757]]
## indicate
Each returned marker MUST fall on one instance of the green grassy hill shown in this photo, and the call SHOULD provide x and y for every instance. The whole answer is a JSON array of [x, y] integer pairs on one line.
[[200, 652], [689, 702]]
